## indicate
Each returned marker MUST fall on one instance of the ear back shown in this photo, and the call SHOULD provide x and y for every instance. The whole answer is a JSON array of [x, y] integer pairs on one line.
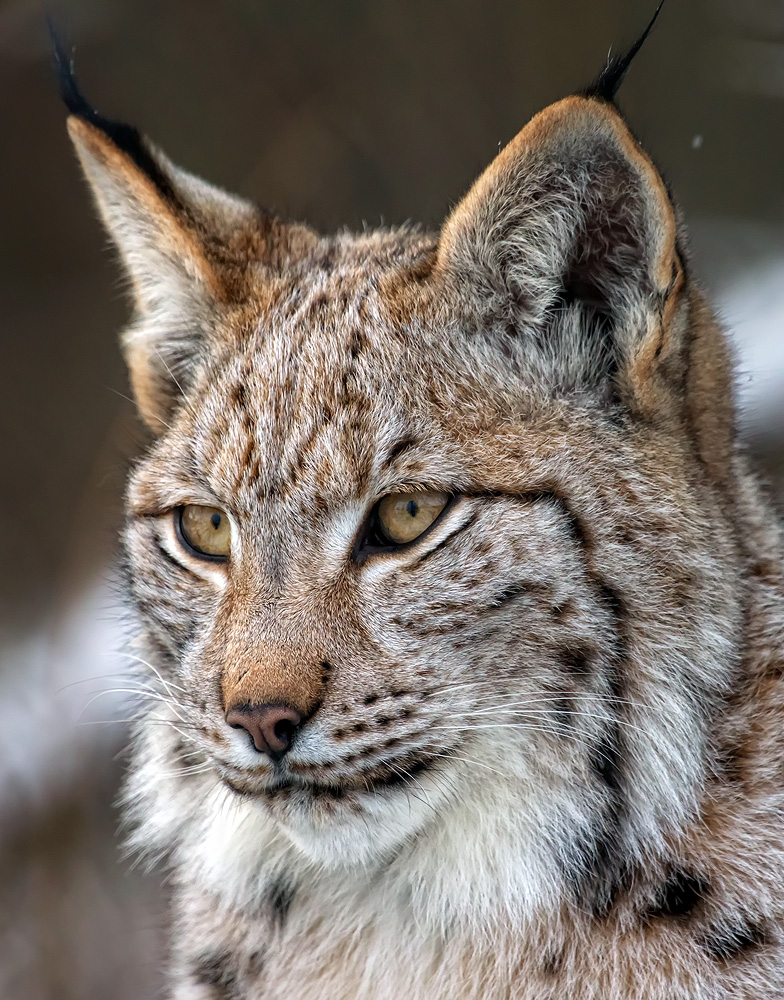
[[570, 225], [190, 250]]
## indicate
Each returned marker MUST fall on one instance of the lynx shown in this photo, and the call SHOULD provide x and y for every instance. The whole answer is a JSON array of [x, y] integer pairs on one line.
[[460, 610]]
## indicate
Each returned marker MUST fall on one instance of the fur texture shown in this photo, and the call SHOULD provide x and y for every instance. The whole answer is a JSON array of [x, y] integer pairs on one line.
[[542, 755]]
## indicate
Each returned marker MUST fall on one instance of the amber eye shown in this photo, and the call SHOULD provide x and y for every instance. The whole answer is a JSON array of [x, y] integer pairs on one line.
[[402, 517], [204, 530]]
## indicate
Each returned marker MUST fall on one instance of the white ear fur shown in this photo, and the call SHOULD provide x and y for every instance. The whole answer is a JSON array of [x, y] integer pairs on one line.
[[164, 223], [154, 216]]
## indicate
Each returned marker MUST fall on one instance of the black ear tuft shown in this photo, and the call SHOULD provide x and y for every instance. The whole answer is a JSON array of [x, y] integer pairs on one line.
[[125, 137], [72, 97], [610, 79]]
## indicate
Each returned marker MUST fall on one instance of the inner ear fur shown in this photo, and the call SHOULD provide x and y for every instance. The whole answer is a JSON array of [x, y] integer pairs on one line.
[[191, 251], [571, 214]]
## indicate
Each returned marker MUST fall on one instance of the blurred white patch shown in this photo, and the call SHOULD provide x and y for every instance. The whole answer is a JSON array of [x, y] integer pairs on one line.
[[58, 721], [742, 265], [754, 309]]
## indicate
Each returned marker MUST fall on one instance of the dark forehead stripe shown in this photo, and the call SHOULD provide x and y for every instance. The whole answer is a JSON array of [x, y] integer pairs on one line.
[[400, 448]]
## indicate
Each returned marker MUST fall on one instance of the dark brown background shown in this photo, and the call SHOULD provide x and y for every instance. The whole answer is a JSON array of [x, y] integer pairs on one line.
[[341, 113]]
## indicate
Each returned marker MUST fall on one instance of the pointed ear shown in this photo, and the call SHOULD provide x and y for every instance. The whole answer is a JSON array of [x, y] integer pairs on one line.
[[188, 248], [568, 240]]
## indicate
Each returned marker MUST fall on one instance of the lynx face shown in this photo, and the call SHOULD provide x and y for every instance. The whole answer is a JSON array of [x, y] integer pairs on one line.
[[426, 547]]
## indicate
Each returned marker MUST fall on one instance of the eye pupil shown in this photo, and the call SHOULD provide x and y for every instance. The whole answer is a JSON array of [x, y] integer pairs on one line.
[[204, 530], [402, 517]]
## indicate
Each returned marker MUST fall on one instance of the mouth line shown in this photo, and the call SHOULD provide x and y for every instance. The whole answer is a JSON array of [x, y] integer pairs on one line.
[[385, 776]]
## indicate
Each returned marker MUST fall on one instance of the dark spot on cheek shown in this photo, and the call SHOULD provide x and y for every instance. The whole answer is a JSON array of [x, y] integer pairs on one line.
[[606, 759], [329, 794], [730, 763], [256, 963], [726, 943], [576, 662], [562, 611], [564, 711], [238, 395], [679, 895], [218, 971], [552, 962], [766, 569], [509, 593], [371, 699], [279, 898], [776, 669]]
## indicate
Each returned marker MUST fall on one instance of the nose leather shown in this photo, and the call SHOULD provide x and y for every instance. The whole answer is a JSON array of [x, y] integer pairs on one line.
[[271, 727]]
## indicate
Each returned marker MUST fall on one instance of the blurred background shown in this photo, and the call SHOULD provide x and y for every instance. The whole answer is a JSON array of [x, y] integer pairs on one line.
[[341, 113]]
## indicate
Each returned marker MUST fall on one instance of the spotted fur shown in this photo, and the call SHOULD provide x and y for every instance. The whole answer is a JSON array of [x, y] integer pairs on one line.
[[543, 750]]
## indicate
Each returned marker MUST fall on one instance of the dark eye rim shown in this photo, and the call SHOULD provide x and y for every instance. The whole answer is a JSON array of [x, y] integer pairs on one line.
[[371, 540], [188, 546]]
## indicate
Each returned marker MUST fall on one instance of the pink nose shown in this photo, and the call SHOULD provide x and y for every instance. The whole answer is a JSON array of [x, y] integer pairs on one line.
[[271, 727]]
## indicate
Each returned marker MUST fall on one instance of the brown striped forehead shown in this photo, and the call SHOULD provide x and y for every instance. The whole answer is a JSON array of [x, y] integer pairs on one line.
[[320, 411], [351, 361], [319, 387]]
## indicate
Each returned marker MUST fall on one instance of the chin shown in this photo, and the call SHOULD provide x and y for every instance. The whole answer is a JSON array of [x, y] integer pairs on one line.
[[351, 822], [344, 827]]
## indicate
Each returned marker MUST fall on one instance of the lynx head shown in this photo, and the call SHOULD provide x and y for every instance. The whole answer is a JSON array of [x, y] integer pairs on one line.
[[429, 546]]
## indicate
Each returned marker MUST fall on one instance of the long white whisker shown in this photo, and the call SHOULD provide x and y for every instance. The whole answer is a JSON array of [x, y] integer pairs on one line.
[[575, 738], [408, 780], [522, 723], [136, 720], [170, 702], [184, 771], [96, 677], [158, 674], [493, 702], [125, 690], [467, 760], [185, 400]]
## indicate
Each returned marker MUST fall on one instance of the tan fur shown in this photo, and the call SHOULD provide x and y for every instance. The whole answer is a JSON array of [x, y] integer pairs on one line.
[[262, 673], [543, 751]]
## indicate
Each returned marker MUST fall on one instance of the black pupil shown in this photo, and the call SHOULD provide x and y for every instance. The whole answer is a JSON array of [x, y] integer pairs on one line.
[[215, 520], [412, 508]]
